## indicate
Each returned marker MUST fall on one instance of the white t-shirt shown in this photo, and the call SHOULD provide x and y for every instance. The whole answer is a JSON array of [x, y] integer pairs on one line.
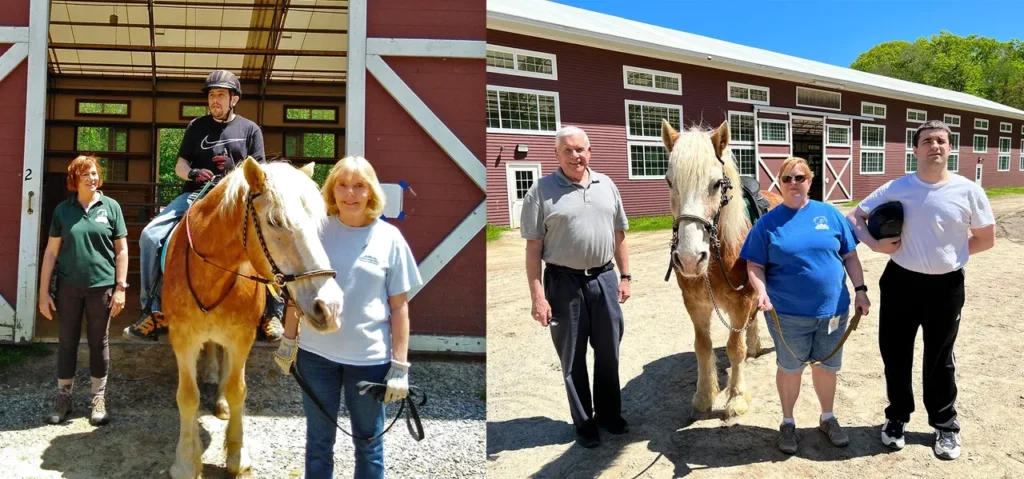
[[936, 218], [373, 263]]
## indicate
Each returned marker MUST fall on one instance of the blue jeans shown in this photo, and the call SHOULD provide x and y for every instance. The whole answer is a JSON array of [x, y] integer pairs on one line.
[[326, 379]]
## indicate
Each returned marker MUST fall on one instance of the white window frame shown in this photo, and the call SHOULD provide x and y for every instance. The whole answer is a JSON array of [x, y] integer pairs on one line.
[[976, 127], [789, 133], [1022, 132], [748, 147], [1009, 147], [629, 158], [649, 103], [1020, 166], [885, 109], [625, 80], [974, 144], [907, 170], [948, 116], [1000, 157], [815, 106], [849, 135], [558, 111], [873, 149], [732, 140], [957, 170], [728, 93], [910, 136], [953, 149], [1009, 127], [914, 110], [515, 61]]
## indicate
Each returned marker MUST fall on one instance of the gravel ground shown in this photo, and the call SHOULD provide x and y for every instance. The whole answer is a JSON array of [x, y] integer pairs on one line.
[[143, 432]]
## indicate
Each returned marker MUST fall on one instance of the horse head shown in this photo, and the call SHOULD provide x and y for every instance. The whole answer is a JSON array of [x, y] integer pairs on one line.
[[284, 214], [706, 209]]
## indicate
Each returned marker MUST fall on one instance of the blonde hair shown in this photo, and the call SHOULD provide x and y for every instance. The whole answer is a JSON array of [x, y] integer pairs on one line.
[[375, 204], [790, 163]]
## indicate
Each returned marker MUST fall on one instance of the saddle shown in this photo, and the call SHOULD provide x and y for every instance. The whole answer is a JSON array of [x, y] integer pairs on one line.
[[757, 205]]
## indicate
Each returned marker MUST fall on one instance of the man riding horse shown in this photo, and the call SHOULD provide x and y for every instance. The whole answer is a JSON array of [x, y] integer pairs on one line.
[[213, 144]]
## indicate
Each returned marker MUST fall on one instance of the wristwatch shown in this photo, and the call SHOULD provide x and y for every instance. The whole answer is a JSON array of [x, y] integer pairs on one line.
[[862, 287], [627, 277], [122, 284]]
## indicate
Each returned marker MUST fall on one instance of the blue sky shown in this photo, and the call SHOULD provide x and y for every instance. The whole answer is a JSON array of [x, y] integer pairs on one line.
[[830, 31]]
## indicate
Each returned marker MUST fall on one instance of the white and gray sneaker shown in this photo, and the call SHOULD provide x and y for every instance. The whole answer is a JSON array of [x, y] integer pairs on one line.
[[892, 434], [947, 444]]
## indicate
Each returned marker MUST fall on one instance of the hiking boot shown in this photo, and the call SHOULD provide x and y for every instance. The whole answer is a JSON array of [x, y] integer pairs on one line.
[[148, 327], [835, 432], [614, 426], [99, 415], [270, 329], [787, 438], [892, 434], [947, 444], [587, 435], [62, 406]]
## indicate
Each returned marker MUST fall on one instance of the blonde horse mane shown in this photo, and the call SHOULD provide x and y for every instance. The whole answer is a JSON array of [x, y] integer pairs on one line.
[[281, 177], [692, 162]]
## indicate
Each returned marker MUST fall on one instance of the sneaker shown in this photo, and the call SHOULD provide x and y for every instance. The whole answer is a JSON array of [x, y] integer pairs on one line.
[[614, 426], [99, 415], [148, 327], [835, 432], [270, 329], [947, 444], [787, 438], [892, 434], [63, 405], [587, 435]]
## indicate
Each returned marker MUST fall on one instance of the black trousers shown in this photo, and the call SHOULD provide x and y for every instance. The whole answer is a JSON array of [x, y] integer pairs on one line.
[[587, 309], [72, 303], [909, 301]]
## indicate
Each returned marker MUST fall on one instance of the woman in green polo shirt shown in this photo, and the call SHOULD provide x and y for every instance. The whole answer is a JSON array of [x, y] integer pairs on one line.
[[88, 245]]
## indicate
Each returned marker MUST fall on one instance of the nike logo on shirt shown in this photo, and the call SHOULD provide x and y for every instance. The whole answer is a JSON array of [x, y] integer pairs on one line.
[[206, 144]]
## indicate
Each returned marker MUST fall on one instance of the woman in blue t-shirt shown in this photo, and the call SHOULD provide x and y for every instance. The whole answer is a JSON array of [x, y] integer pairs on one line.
[[798, 256], [376, 270]]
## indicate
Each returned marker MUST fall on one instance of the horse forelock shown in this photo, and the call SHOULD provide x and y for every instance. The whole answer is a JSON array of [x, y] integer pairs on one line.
[[291, 196], [692, 167]]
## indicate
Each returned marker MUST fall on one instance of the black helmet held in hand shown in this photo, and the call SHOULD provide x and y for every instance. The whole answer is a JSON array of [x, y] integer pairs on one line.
[[223, 79], [886, 220]]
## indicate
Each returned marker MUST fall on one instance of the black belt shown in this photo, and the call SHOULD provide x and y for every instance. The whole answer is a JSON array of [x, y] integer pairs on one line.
[[581, 272]]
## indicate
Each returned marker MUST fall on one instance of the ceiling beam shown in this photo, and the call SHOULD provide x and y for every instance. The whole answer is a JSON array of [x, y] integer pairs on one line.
[[191, 4], [216, 28], [152, 40], [275, 42], [212, 50], [56, 64]]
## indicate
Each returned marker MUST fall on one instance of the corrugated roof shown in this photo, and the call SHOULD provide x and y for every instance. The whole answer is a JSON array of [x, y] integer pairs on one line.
[[547, 19]]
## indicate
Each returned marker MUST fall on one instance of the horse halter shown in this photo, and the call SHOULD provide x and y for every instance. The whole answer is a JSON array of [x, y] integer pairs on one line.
[[280, 279]]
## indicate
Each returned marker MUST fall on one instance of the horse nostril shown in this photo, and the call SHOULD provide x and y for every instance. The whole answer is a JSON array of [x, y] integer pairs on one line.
[[703, 257], [320, 309]]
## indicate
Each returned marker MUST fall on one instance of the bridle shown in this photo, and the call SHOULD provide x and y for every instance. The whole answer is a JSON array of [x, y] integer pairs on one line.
[[715, 243], [280, 279]]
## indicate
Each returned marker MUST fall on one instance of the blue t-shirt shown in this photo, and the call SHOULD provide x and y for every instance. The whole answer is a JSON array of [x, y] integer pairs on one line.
[[802, 253]]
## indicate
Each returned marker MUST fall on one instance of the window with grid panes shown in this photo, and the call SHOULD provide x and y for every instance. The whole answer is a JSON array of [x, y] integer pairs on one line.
[[774, 131], [515, 61], [872, 161], [309, 145], [651, 80], [910, 138], [748, 93], [917, 115], [118, 108], [980, 124], [524, 180], [954, 142], [980, 143], [645, 119], [953, 163], [838, 135], [745, 161], [647, 160], [875, 110], [311, 114], [951, 120], [1004, 145], [521, 111], [741, 127], [911, 163], [103, 139], [1005, 127], [192, 111], [1003, 163], [872, 136]]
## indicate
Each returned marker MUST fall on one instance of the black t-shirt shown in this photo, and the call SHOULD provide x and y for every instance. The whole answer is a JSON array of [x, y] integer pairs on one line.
[[206, 138]]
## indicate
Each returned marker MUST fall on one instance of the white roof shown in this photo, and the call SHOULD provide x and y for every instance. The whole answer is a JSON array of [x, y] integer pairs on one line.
[[545, 19]]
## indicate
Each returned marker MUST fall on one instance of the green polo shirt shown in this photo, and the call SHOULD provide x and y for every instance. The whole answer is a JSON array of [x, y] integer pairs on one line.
[[86, 257]]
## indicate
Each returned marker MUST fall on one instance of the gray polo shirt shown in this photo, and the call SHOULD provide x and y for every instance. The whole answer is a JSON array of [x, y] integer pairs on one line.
[[577, 222]]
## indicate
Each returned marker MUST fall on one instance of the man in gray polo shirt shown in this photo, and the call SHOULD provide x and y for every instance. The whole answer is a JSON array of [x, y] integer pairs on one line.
[[573, 220]]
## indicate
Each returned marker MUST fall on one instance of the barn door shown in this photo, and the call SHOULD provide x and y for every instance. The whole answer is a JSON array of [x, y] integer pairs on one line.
[[773, 143], [23, 42], [838, 164]]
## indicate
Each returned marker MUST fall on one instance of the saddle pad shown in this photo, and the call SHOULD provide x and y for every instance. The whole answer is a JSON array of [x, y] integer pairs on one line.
[[163, 246]]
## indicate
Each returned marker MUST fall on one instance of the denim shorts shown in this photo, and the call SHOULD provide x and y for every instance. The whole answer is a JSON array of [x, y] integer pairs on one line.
[[809, 340]]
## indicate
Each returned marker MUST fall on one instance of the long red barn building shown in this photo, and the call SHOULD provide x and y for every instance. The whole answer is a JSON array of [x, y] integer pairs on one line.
[[551, 65]]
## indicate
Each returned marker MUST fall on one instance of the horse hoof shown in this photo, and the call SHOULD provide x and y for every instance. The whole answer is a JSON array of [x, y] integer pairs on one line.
[[239, 461], [703, 403], [737, 406], [222, 410], [183, 471], [753, 353]]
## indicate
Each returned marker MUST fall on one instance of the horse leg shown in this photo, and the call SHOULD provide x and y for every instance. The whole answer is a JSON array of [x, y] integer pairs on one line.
[[218, 355], [753, 335], [234, 361], [707, 372], [739, 398], [188, 456]]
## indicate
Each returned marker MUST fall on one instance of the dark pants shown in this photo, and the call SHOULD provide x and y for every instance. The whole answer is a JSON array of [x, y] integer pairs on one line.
[[587, 310], [932, 302], [72, 303]]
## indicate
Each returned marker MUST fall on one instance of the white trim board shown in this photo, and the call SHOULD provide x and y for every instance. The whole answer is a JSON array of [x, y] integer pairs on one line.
[[12, 58], [14, 34], [418, 47], [451, 245], [355, 82], [424, 343]]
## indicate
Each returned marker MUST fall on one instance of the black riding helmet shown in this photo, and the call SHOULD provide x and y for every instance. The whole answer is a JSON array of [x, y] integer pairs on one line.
[[886, 220], [223, 79]]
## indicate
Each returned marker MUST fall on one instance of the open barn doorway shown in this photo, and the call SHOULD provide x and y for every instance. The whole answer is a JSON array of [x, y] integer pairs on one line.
[[808, 143]]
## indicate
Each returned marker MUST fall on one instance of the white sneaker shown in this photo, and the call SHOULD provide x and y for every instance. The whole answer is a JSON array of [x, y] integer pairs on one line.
[[947, 444], [892, 434]]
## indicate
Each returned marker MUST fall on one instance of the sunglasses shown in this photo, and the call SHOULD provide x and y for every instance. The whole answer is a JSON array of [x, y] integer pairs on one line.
[[798, 178]]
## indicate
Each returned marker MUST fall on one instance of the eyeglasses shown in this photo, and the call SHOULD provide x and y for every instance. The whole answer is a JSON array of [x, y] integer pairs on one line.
[[798, 178]]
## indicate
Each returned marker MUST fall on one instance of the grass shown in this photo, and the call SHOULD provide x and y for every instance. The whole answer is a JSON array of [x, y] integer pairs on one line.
[[494, 232], [650, 223], [11, 355], [997, 192]]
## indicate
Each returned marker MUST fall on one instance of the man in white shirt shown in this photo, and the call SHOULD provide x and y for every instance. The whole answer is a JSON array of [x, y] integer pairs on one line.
[[923, 284]]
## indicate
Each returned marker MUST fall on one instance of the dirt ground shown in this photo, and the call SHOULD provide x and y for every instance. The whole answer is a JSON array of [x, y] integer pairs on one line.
[[141, 438], [528, 423]]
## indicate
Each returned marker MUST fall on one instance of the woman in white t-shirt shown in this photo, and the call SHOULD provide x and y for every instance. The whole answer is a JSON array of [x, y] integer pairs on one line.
[[375, 270]]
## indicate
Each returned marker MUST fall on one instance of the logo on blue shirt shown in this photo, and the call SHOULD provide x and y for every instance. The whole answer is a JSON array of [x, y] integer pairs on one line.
[[820, 223]]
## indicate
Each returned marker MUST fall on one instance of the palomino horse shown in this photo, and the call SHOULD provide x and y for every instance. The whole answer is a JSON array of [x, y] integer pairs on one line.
[[710, 226], [259, 225]]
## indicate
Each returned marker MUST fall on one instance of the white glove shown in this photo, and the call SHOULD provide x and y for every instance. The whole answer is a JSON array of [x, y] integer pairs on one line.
[[397, 381], [285, 354]]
